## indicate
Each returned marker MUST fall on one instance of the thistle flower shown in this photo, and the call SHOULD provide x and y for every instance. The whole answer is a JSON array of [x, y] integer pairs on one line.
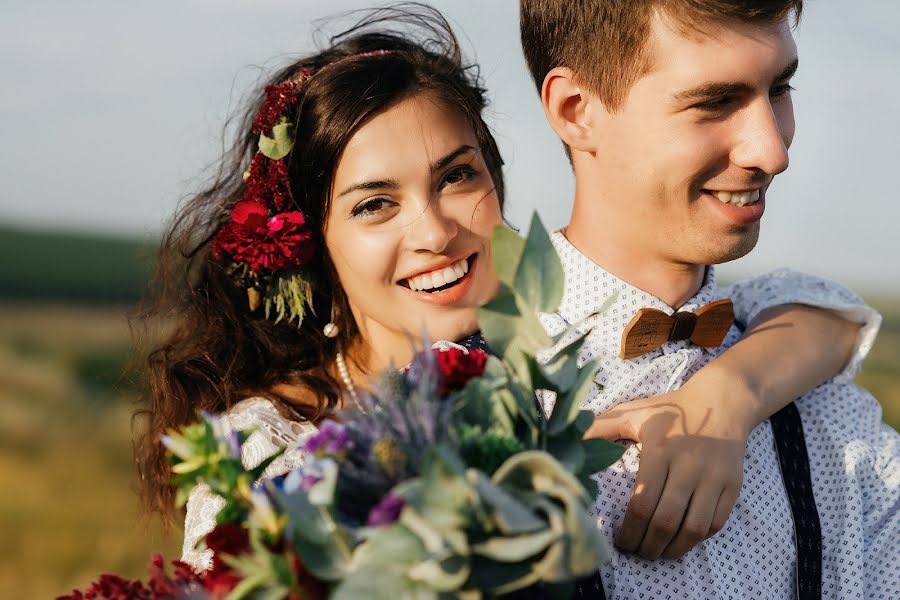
[[331, 439], [386, 512]]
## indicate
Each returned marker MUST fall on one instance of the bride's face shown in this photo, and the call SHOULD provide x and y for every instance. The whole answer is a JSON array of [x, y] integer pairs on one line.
[[412, 213]]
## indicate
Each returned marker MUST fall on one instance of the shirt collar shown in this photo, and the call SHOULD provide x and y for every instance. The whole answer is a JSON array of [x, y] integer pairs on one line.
[[588, 286]]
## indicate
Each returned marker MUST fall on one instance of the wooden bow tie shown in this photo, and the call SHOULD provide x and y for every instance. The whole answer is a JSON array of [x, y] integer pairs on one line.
[[651, 328]]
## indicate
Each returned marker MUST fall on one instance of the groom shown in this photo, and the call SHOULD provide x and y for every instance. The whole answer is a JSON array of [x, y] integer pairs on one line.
[[676, 116]]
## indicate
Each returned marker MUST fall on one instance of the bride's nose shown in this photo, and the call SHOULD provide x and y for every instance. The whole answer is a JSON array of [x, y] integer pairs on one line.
[[432, 231]]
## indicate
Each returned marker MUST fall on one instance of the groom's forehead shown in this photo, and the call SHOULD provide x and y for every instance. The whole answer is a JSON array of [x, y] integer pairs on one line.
[[721, 50]]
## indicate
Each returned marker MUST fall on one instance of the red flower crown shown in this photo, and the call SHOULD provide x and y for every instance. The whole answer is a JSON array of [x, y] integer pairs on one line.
[[266, 242]]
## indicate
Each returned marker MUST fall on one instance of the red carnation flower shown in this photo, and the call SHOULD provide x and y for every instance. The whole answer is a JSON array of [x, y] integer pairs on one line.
[[111, 587], [279, 98], [267, 183], [273, 243], [220, 584], [229, 538], [457, 367]]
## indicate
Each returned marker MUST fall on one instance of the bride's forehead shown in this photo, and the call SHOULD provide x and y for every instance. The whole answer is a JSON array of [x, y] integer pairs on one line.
[[415, 124]]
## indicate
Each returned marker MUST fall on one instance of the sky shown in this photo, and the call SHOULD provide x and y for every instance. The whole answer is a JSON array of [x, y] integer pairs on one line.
[[111, 112]]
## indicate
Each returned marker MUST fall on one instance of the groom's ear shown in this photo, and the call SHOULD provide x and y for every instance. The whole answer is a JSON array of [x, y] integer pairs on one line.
[[570, 108]]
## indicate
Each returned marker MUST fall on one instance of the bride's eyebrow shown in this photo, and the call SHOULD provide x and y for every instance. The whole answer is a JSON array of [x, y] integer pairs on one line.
[[449, 158], [391, 184]]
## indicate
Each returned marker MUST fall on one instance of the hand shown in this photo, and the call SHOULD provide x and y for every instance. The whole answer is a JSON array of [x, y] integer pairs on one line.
[[692, 445]]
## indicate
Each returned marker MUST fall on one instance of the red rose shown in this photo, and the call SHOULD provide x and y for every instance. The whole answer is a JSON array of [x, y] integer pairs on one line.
[[457, 367], [273, 243], [230, 538]]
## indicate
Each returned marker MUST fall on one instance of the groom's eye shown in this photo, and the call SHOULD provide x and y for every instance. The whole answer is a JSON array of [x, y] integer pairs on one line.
[[717, 105], [781, 91]]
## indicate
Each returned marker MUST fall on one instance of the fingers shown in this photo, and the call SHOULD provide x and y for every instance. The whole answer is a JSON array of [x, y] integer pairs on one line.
[[695, 527], [668, 517], [607, 427], [706, 515], [726, 503], [651, 480]]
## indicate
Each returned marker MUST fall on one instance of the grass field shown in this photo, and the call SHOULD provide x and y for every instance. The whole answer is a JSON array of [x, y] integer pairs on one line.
[[68, 510]]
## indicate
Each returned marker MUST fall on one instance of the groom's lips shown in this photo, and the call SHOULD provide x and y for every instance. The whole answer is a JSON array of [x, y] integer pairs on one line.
[[739, 215], [452, 294]]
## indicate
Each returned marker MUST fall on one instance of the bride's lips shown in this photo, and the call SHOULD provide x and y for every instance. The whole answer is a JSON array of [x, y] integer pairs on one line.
[[452, 294]]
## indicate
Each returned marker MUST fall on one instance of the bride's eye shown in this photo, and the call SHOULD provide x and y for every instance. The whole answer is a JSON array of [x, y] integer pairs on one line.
[[371, 207], [458, 174]]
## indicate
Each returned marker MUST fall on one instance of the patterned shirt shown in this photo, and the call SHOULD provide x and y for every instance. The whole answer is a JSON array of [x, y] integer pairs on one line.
[[854, 457]]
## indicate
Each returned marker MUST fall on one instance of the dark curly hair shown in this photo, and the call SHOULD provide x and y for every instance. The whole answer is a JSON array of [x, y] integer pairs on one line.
[[215, 351]]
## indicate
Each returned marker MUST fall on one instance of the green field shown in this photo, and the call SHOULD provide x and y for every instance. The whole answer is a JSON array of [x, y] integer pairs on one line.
[[68, 510]]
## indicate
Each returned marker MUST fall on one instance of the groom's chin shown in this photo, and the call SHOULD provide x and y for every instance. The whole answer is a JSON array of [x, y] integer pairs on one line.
[[733, 246]]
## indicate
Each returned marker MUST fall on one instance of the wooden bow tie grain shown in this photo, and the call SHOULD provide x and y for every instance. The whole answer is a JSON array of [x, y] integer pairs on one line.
[[651, 328]]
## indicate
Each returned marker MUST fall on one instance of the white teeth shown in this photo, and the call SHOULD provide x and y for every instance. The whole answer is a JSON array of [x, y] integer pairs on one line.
[[439, 277], [737, 198]]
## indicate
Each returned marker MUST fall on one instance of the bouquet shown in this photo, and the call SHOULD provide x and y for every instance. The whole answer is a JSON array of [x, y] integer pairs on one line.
[[447, 481]]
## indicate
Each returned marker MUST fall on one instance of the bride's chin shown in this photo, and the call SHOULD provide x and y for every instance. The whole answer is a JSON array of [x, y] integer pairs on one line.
[[458, 329]]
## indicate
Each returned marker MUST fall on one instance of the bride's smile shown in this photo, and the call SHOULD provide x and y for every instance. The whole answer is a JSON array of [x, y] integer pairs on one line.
[[410, 223]]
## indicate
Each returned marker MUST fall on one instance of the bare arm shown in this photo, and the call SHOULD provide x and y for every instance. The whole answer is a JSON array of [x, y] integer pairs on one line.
[[693, 439]]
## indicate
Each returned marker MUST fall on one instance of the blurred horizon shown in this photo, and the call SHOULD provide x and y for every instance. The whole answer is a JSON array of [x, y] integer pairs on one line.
[[112, 112]]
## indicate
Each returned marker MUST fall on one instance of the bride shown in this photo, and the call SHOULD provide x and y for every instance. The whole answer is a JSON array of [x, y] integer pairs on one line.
[[364, 216]]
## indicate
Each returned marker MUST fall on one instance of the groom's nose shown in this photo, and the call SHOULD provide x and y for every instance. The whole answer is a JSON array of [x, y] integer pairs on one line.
[[763, 136]]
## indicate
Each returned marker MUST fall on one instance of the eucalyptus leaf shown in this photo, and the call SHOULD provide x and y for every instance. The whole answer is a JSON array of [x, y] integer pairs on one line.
[[539, 278], [568, 450], [510, 516], [445, 575], [325, 548], [279, 145], [506, 252], [500, 577], [531, 333], [516, 548], [584, 420], [568, 405], [600, 454], [388, 583], [561, 369], [498, 319]]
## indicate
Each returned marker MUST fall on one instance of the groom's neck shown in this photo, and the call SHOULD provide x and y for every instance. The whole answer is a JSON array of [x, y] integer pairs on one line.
[[619, 251]]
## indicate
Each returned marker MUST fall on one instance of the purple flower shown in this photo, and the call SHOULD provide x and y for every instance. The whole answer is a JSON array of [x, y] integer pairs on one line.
[[331, 439], [308, 480], [233, 442], [386, 511]]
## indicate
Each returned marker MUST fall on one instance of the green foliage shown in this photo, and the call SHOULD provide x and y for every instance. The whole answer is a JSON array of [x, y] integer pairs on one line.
[[539, 277], [73, 267], [288, 296], [279, 145]]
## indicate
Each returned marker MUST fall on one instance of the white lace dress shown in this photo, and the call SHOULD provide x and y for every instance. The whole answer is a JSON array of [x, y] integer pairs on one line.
[[274, 431]]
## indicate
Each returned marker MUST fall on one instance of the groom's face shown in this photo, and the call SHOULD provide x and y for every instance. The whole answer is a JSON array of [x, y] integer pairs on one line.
[[687, 160]]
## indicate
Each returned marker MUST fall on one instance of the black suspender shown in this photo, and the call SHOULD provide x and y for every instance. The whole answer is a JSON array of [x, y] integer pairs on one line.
[[790, 444]]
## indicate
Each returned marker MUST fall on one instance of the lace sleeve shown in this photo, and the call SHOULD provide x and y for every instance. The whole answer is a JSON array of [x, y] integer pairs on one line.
[[785, 286], [273, 432]]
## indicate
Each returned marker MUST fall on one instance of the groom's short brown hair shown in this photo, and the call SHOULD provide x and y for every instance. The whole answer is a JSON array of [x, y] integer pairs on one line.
[[603, 41]]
